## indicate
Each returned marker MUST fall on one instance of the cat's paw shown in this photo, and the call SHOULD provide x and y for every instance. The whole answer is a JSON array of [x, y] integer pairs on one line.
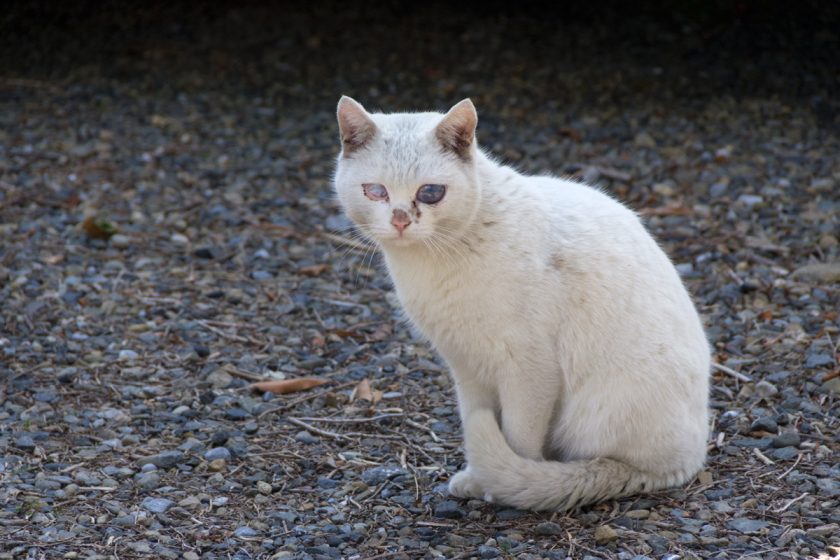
[[464, 485]]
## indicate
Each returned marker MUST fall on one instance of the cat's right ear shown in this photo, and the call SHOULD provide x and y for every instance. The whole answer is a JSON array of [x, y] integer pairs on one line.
[[354, 124], [456, 132]]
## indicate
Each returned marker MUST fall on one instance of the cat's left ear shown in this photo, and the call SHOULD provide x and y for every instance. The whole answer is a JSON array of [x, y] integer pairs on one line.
[[355, 125], [456, 132]]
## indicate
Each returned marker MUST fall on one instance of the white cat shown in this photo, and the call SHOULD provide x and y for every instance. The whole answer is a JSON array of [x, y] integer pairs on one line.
[[580, 362]]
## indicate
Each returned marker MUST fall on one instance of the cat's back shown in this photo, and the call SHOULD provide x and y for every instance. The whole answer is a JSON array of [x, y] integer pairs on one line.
[[578, 219]]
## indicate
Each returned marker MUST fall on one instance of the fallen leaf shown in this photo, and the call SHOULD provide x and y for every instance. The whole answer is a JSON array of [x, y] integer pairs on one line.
[[283, 386], [572, 133], [98, 228], [363, 391], [313, 270]]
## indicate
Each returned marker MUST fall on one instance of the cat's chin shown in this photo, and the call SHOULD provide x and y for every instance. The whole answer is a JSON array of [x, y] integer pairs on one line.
[[400, 242]]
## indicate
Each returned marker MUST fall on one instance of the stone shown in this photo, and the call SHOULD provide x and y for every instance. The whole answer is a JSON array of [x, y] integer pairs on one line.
[[246, 532], [378, 475], [747, 526], [219, 438], [190, 502], [485, 551], [204, 253], [156, 505], [448, 510], [264, 488], [828, 487], [120, 241], [510, 514], [823, 531], [179, 239], [165, 460], [219, 379], [548, 528], [786, 439], [128, 355], [605, 534], [785, 453], [147, 481], [831, 386], [25, 443], [750, 200], [217, 453], [305, 437], [644, 140], [638, 514], [236, 413], [824, 272], [764, 424], [765, 389], [815, 360]]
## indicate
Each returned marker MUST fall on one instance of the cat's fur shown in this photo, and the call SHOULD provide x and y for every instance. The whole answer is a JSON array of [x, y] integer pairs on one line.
[[580, 362]]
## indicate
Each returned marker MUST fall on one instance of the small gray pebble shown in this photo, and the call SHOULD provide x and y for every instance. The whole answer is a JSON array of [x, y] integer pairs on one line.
[[217, 453], [786, 439], [764, 424], [246, 532], [785, 453], [156, 505], [25, 443], [765, 389], [305, 437], [510, 514], [147, 481], [120, 241], [485, 551], [818, 360], [378, 475], [165, 460], [237, 413], [747, 526], [45, 396], [128, 355], [548, 528], [449, 510]]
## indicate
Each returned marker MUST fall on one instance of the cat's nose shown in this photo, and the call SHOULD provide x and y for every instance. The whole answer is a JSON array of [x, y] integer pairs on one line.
[[400, 220]]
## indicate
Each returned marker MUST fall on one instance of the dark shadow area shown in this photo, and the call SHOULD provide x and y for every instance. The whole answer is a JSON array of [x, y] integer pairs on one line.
[[320, 48]]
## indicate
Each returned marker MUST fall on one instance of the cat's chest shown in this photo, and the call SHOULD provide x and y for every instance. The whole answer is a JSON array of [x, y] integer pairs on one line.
[[456, 306]]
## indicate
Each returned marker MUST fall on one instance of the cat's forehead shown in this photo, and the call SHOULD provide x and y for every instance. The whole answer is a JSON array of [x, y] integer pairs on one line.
[[403, 129], [406, 145]]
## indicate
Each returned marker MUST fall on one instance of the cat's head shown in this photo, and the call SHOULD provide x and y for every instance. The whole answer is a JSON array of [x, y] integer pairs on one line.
[[408, 179]]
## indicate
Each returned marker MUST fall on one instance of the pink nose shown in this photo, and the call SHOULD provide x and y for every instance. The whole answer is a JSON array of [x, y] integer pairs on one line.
[[400, 220]]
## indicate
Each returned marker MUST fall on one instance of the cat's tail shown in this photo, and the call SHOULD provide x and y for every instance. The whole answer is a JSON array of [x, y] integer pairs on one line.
[[512, 480]]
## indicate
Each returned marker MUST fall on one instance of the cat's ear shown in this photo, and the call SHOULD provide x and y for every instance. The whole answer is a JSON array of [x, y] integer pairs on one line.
[[456, 132], [354, 124]]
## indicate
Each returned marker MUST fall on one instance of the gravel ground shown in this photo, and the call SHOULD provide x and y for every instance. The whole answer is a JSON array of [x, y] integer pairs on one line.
[[199, 143]]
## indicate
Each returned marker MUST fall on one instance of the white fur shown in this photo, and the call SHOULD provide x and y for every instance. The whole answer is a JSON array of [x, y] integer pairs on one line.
[[580, 362]]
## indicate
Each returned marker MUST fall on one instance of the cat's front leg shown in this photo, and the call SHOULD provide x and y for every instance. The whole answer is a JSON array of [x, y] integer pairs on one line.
[[527, 405], [471, 396]]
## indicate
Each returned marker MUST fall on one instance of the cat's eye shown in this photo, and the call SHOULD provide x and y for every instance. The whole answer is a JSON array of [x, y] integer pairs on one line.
[[430, 194], [375, 191]]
